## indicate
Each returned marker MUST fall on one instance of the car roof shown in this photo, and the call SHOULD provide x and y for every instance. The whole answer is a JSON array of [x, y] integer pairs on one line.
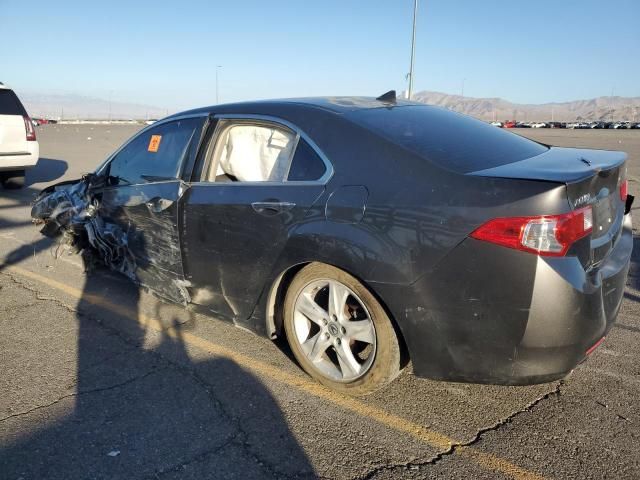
[[338, 105]]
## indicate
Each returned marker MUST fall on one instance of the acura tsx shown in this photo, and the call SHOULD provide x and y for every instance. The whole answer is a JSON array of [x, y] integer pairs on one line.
[[368, 232]]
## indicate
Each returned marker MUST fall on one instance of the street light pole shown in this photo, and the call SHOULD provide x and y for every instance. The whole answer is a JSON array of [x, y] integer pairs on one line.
[[413, 48], [110, 94], [217, 96]]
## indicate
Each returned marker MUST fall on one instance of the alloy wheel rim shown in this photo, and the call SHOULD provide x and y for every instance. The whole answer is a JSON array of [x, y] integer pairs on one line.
[[334, 330]]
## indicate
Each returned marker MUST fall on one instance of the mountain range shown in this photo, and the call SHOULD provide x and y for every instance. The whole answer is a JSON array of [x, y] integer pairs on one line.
[[72, 107], [601, 108]]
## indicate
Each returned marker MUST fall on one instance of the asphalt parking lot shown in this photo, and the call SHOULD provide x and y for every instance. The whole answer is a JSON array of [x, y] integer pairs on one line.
[[101, 380]]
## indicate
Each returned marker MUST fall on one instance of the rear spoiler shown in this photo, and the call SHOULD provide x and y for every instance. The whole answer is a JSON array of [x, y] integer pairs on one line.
[[563, 165]]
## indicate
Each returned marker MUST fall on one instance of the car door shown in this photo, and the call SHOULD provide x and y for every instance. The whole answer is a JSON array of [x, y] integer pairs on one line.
[[140, 205], [260, 177]]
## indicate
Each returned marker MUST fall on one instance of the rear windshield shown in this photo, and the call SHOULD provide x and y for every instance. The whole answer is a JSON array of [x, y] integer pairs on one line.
[[9, 103], [452, 140]]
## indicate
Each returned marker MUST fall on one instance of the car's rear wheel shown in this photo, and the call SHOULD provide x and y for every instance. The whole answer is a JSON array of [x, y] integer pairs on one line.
[[13, 179], [339, 332]]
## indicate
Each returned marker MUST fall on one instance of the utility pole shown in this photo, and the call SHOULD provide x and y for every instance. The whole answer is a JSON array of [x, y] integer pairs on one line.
[[217, 96], [611, 104], [413, 49], [110, 94]]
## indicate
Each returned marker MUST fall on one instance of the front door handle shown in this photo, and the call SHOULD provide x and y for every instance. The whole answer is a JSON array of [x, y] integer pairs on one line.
[[272, 208], [157, 205]]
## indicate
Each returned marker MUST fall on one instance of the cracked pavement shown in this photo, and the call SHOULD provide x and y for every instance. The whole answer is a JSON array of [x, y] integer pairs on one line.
[[88, 392]]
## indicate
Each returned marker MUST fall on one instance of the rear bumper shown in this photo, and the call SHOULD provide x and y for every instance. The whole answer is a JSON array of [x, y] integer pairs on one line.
[[488, 314], [20, 160]]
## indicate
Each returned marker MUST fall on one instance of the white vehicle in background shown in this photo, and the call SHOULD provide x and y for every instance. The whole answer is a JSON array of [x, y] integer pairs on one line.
[[497, 124], [539, 125], [19, 148]]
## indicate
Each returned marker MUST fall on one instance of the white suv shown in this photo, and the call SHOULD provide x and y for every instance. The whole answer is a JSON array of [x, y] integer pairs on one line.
[[19, 148]]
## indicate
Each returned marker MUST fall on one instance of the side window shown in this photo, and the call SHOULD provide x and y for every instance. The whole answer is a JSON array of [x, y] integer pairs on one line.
[[306, 164], [9, 103], [248, 152], [154, 155]]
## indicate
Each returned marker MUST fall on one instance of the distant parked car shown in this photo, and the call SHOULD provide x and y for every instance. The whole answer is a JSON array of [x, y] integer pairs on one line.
[[635, 126], [19, 148], [509, 124], [522, 125], [497, 124], [539, 125]]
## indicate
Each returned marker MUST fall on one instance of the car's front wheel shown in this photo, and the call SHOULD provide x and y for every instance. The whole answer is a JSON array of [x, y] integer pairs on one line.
[[13, 179], [339, 332]]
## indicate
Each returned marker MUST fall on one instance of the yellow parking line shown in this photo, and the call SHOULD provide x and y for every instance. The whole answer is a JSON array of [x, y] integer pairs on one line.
[[390, 420]]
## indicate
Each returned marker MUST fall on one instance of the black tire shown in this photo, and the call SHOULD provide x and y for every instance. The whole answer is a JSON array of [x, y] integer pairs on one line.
[[386, 363], [13, 180]]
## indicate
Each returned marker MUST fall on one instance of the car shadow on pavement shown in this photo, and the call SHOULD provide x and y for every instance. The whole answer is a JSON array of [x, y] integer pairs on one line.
[[46, 171], [141, 404], [145, 405], [21, 251], [634, 271]]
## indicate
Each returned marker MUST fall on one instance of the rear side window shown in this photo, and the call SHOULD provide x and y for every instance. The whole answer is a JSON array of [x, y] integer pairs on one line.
[[156, 154], [9, 103], [454, 141], [306, 164], [247, 152]]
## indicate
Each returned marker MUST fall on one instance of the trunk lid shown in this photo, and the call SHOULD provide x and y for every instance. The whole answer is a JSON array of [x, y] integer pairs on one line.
[[592, 177]]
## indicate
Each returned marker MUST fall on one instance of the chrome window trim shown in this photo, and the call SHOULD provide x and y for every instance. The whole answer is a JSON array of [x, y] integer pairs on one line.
[[323, 180]]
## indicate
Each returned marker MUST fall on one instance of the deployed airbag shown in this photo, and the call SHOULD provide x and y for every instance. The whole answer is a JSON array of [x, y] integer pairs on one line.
[[253, 153]]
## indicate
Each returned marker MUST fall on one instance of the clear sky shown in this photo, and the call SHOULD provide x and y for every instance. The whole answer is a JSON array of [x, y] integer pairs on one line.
[[164, 53]]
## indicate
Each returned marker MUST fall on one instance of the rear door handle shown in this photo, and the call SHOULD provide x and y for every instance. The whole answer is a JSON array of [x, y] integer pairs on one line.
[[272, 208]]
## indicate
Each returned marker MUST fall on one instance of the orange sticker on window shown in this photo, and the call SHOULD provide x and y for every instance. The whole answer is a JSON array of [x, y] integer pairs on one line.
[[154, 143]]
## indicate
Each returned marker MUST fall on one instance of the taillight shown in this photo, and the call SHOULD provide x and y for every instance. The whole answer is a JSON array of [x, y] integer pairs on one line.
[[624, 190], [550, 235], [28, 126]]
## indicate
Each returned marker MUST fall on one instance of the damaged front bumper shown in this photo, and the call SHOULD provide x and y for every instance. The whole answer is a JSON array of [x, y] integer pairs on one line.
[[70, 211], [131, 229]]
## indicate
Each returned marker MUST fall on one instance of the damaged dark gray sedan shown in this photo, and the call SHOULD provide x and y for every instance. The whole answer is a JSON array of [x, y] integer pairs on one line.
[[369, 232]]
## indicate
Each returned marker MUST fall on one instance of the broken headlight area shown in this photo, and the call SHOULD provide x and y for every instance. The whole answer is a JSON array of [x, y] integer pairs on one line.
[[69, 212], [65, 205]]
